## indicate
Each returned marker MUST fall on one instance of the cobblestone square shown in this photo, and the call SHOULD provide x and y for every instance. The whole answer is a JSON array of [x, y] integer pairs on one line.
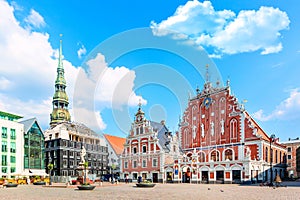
[[160, 191]]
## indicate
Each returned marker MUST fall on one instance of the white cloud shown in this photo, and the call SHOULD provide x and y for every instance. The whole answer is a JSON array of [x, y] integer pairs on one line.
[[4, 83], [40, 109], [81, 51], [225, 31], [110, 87], [28, 72], [288, 109], [90, 118], [35, 20]]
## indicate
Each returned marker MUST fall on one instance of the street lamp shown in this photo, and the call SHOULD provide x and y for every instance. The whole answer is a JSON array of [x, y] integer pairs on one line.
[[272, 137]]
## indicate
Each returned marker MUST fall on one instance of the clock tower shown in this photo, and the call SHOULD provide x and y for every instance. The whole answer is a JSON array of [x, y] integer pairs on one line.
[[60, 102]]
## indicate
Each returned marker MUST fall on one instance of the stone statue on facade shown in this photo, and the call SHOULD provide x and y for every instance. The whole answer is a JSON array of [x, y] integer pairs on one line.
[[82, 155], [202, 130], [222, 126], [212, 128], [247, 153], [194, 131]]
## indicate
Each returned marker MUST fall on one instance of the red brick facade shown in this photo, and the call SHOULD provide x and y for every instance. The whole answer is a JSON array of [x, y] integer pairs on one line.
[[219, 136], [148, 148]]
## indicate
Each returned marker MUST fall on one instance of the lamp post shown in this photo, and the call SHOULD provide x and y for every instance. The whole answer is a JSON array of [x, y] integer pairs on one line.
[[272, 137], [50, 168]]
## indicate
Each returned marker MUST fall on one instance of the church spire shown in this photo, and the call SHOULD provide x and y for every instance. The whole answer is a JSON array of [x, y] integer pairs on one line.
[[60, 102]]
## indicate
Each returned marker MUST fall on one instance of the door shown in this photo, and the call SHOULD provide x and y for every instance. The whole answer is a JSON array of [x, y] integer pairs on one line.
[[155, 177], [236, 176], [204, 176]]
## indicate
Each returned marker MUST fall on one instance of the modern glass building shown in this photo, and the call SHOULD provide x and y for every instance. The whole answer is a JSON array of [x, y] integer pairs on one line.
[[34, 151]]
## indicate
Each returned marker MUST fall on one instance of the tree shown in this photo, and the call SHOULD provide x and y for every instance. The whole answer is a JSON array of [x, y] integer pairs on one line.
[[50, 168]]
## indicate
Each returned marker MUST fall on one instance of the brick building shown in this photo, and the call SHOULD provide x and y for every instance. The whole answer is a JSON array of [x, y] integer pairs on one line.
[[292, 145], [223, 143], [149, 151]]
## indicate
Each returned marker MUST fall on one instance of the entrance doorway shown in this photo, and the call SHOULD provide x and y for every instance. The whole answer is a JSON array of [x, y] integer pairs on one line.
[[204, 177], [236, 176], [169, 177], [186, 178], [155, 177], [220, 176]]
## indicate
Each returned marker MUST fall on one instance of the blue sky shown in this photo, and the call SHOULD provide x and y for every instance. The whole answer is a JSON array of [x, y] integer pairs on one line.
[[117, 53]]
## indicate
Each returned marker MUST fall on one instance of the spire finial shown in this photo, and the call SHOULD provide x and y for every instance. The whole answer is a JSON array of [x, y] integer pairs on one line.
[[60, 63], [207, 74], [197, 90]]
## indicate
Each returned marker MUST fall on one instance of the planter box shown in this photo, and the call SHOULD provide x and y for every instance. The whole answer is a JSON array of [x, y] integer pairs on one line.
[[86, 187], [11, 185], [39, 183], [145, 184]]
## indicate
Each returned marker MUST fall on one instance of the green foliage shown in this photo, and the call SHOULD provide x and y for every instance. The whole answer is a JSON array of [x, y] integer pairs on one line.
[[86, 164], [50, 166], [113, 166]]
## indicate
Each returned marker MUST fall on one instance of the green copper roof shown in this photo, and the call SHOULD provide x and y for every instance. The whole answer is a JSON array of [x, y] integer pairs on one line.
[[9, 116], [60, 101]]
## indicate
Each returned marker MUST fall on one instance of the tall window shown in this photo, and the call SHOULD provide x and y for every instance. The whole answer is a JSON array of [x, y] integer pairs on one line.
[[137, 131], [13, 147], [276, 155], [134, 150], [280, 159], [144, 149], [13, 134], [13, 159], [141, 130], [125, 164], [186, 137], [266, 152], [271, 155], [144, 163], [4, 160], [233, 128], [4, 146], [4, 132], [154, 162], [134, 164]]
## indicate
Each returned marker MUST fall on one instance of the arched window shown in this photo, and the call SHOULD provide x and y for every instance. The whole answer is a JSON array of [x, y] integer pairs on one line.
[[280, 158], [271, 155], [267, 152], [186, 137], [134, 150], [228, 154], [215, 156], [144, 149], [137, 131], [233, 128], [189, 156], [201, 157]]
